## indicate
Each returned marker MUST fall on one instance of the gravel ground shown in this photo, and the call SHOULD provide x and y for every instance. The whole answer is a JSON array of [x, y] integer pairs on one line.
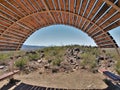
[[75, 80]]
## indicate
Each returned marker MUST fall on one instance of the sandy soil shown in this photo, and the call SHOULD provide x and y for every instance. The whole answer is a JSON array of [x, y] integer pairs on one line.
[[75, 80]]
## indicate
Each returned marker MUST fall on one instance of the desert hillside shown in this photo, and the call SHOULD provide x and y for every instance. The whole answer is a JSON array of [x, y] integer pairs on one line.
[[70, 67]]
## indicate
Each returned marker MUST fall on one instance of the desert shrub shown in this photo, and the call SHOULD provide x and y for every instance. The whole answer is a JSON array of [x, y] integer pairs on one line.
[[4, 57], [56, 62], [54, 52], [93, 64], [33, 56], [87, 56], [117, 67], [116, 57], [21, 62], [88, 60], [84, 63]]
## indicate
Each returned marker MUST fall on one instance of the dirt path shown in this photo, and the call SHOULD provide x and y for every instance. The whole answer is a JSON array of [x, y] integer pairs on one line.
[[74, 80]]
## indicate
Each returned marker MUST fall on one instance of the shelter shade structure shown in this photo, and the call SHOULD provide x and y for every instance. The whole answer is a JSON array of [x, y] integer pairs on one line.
[[20, 18]]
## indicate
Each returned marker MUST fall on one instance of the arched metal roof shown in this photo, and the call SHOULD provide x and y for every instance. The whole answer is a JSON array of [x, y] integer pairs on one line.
[[20, 18]]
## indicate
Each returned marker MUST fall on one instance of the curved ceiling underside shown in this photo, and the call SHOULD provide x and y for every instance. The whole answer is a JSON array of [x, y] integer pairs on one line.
[[20, 18]]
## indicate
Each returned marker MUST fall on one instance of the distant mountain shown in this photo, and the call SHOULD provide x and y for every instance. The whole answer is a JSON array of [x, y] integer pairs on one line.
[[30, 47]]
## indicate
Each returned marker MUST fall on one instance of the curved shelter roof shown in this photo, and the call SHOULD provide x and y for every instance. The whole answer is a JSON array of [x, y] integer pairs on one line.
[[20, 18]]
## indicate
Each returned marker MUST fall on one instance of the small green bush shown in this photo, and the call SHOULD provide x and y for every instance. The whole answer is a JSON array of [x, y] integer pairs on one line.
[[93, 64], [4, 56], [56, 62], [21, 63], [88, 60], [34, 56], [84, 63], [118, 67]]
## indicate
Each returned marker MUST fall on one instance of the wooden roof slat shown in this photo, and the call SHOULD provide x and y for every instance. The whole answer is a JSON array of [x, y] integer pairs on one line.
[[18, 47], [103, 15], [33, 5], [3, 26], [113, 5], [27, 4], [5, 22], [74, 11], [7, 48], [29, 23], [18, 34], [45, 19], [24, 6], [58, 7], [65, 19], [15, 29], [112, 23], [7, 38], [104, 41], [21, 24], [42, 18], [48, 4], [68, 11], [106, 44], [95, 32], [13, 22], [48, 10], [20, 18], [99, 35], [8, 15], [54, 9], [84, 12], [95, 15], [98, 39], [56, 14], [12, 36], [15, 7], [105, 20], [10, 45], [90, 13], [102, 31], [9, 42], [36, 20], [20, 6], [79, 10], [15, 35], [37, 6], [60, 10], [10, 10]]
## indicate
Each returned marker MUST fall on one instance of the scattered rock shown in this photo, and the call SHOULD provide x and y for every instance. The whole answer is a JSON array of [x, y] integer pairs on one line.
[[2, 67], [47, 67], [39, 61], [55, 70], [71, 62], [72, 56]]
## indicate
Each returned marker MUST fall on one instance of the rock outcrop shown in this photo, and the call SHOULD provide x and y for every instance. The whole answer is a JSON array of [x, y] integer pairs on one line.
[[72, 56]]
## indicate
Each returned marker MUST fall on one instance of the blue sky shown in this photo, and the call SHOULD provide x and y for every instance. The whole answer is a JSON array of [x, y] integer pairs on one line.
[[57, 35], [115, 33]]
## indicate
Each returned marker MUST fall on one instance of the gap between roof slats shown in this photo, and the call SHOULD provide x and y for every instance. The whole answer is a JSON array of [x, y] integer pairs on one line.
[[85, 5], [107, 10]]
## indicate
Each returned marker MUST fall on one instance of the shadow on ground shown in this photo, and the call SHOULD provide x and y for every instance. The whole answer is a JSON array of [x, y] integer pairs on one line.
[[23, 86], [111, 86], [10, 84]]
